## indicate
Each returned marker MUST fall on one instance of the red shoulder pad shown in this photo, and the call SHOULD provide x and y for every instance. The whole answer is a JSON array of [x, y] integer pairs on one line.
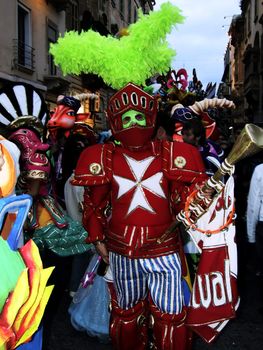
[[94, 166], [183, 162]]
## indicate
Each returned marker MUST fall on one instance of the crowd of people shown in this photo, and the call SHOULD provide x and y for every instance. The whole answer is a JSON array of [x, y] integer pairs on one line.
[[107, 212], [121, 197]]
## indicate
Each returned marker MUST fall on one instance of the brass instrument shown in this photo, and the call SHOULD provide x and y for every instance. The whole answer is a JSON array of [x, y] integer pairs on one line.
[[249, 142]]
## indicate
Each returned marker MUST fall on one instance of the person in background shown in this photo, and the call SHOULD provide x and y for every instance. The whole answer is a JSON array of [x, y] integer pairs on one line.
[[255, 217], [164, 129], [193, 132]]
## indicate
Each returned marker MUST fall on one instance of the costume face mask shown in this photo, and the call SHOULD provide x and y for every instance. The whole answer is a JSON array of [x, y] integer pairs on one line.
[[33, 160], [140, 107], [132, 118]]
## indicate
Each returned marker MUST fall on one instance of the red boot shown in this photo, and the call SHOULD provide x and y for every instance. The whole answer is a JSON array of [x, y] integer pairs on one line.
[[169, 331], [129, 328]]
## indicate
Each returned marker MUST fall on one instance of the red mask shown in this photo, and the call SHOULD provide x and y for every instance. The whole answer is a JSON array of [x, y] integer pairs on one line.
[[132, 97], [33, 159], [63, 117]]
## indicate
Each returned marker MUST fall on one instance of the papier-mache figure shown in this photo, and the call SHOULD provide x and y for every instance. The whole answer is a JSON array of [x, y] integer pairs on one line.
[[23, 115], [23, 289], [184, 105], [9, 165], [145, 182], [181, 115], [70, 132]]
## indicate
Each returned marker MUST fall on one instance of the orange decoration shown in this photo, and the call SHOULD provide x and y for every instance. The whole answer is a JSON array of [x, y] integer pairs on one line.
[[207, 232]]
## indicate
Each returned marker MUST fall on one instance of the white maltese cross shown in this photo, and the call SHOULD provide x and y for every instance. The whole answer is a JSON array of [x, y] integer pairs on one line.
[[152, 184]]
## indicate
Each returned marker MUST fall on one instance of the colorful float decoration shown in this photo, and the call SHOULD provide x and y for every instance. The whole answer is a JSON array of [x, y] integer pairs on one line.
[[23, 116], [23, 289]]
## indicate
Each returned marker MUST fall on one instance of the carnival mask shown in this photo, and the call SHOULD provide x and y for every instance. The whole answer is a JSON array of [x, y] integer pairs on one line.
[[64, 115], [132, 118], [34, 162]]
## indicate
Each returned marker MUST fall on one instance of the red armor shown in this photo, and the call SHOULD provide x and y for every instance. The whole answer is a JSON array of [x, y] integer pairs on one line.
[[139, 183], [169, 331], [125, 324], [144, 181]]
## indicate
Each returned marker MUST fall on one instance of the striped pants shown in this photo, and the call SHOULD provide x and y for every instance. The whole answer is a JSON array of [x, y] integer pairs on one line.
[[161, 277]]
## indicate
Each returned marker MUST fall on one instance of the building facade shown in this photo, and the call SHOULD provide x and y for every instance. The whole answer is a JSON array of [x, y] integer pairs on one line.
[[27, 27], [243, 73]]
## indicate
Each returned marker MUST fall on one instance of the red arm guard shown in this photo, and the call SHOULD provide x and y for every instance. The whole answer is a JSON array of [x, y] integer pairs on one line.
[[94, 171], [94, 166], [94, 219], [184, 165]]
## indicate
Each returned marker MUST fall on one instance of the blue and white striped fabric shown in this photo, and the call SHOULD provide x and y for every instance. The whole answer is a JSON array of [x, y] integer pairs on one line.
[[160, 276]]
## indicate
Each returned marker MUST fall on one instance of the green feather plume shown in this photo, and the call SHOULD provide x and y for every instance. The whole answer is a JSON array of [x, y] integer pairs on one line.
[[133, 58]]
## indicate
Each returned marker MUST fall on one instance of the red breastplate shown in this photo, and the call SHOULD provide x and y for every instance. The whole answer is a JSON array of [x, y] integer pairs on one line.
[[140, 201]]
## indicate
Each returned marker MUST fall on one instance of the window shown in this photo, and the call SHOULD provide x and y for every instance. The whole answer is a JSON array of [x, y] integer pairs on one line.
[[52, 35], [122, 8], [135, 15], [24, 51], [129, 11], [73, 15], [256, 10], [102, 5], [248, 22], [92, 104]]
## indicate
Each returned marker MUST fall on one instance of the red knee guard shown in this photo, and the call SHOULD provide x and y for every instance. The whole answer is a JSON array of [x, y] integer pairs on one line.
[[169, 331], [129, 328]]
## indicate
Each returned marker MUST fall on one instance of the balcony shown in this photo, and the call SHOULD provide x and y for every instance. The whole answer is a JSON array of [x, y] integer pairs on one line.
[[23, 56], [60, 5]]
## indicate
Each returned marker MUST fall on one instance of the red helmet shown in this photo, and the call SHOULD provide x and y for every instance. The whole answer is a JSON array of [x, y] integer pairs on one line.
[[132, 97]]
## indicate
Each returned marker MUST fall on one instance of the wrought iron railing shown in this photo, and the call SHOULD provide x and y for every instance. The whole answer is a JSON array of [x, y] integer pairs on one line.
[[24, 55]]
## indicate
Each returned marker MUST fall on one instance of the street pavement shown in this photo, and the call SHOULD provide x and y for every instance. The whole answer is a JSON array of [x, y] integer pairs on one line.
[[245, 332]]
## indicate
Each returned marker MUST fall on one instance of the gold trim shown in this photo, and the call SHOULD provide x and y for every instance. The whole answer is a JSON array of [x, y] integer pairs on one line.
[[95, 168], [180, 162], [35, 174]]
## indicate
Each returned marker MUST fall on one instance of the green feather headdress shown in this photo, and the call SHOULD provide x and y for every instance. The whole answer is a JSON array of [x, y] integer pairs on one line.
[[133, 58]]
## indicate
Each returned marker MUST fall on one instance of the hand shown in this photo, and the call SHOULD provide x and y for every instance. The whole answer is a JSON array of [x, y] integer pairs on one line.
[[102, 251]]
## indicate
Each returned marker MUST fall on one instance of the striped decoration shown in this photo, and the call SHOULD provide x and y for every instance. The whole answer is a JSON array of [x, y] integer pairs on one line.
[[19, 100]]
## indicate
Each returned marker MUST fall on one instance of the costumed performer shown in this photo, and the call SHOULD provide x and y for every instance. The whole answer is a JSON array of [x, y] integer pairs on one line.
[[139, 178], [144, 181]]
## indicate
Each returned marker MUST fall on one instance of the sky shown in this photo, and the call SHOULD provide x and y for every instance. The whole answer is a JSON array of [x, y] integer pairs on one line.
[[201, 41]]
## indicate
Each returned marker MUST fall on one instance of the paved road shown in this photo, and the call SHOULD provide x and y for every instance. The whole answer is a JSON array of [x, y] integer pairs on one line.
[[243, 333]]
